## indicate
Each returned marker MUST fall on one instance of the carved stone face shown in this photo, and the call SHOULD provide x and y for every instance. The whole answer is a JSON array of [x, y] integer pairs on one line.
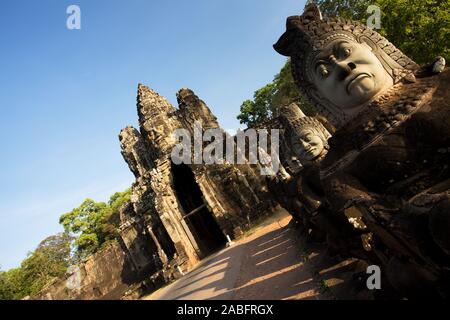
[[308, 144], [348, 73]]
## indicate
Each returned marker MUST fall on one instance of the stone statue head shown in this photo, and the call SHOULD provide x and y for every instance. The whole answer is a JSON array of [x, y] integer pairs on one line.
[[340, 65], [306, 137], [308, 144]]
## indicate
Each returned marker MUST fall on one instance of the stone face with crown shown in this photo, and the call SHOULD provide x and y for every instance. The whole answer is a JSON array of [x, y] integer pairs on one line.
[[304, 144], [388, 163], [340, 65], [306, 137]]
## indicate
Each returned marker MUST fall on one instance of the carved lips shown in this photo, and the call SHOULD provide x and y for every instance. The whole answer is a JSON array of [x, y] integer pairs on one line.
[[355, 79]]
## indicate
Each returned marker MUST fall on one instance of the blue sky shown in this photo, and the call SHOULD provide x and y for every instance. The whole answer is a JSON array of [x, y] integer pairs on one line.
[[65, 94]]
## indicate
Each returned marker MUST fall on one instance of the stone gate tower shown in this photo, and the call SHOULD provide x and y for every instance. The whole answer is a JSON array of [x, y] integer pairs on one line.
[[179, 214]]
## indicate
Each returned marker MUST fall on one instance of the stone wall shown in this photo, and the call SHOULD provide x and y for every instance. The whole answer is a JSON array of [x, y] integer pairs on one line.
[[105, 275]]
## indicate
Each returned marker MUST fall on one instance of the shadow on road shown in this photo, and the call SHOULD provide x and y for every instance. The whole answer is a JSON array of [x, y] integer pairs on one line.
[[268, 265]]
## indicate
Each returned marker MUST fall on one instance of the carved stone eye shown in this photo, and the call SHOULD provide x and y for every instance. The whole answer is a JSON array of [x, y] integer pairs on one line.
[[346, 52], [323, 71]]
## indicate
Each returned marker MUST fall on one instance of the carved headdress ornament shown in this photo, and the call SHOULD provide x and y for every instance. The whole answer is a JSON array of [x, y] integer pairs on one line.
[[308, 34], [294, 121]]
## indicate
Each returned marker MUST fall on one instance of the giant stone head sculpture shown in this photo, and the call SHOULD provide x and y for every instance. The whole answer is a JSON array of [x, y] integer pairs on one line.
[[340, 65]]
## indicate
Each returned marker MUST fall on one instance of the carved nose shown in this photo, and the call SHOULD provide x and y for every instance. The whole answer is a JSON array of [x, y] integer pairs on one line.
[[344, 70]]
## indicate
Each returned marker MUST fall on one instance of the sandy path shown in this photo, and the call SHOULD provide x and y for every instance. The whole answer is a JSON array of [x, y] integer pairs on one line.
[[270, 263]]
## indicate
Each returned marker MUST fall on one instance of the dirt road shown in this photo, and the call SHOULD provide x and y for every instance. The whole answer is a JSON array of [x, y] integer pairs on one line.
[[271, 263]]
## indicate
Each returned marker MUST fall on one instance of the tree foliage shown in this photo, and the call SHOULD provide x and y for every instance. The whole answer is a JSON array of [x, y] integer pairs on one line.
[[420, 28], [10, 285], [267, 100], [260, 108], [49, 261], [86, 229], [348, 9], [94, 223]]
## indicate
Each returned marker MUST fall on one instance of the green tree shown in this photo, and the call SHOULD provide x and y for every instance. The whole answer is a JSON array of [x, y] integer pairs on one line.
[[348, 9], [87, 223], [116, 201], [267, 100], [420, 28], [287, 92], [260, 109], [11, 284], [87, 228], [49, 261], [5, 287], [94, 223]]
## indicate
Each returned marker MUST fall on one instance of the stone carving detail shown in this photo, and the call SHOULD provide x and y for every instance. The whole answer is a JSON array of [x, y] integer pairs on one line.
[[306, 137], [304, 145], [308, 35], [134, 151], [157, 212], [386, 174], [192, 109]]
